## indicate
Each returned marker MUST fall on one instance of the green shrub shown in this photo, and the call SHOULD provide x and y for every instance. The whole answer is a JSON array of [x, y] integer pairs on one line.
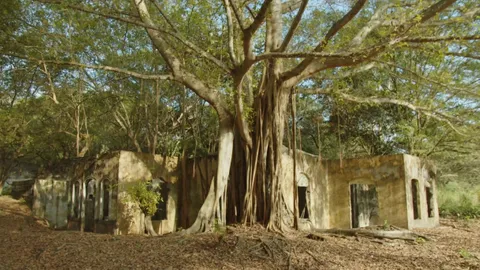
[[145, 197], [7, 190], [462, 202]]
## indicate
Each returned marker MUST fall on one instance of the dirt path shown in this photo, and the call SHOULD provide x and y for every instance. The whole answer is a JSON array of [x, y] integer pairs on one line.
[[26, 244]]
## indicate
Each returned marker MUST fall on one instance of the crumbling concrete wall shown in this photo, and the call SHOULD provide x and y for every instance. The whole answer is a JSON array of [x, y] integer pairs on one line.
[[51, 201], [327, 187], [95, 171], [423, 172], [199, 174], [386, 173], [309, 173], [134, 167]]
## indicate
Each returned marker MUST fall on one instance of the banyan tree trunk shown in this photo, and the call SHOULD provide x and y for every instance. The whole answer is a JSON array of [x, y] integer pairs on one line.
[[213, 207], [149, 226], [263, 199]]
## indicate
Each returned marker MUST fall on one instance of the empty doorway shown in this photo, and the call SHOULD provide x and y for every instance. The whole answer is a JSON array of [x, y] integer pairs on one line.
[[363, 205]]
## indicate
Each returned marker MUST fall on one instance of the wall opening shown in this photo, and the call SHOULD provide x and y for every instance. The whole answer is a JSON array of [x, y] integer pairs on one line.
[[363, 205], [429, 197], [302, 202], [106, 198], [90, 206], [416, 199], [302, 199], [160, 186], [76, 199]]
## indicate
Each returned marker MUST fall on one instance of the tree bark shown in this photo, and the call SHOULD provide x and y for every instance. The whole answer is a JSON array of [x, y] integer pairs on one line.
[[149, 226], [206, 215]]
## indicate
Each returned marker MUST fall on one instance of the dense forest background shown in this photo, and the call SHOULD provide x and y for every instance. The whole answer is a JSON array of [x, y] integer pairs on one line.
[[52, 108]]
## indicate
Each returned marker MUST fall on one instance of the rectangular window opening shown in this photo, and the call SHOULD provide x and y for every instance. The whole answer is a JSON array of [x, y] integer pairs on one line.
[[429, 196], [302, 202], [416, 199]]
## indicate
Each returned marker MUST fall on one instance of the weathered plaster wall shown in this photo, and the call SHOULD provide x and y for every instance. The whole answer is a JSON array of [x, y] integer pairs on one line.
[[134, 167], [200, 172], [51, 201], [385, 172], [308, 168], [424, 172], [328, 190], [104, 168]]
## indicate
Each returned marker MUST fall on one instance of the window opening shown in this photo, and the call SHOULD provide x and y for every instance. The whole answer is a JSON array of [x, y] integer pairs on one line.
[[106, 198], [160, 186], [416, 199], [429, 196]]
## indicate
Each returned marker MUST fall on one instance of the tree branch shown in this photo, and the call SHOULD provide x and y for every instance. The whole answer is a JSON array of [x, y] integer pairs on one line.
[[231, 39], [375, 21], [438, 39], [293, 26], [378, 100], [237, 15], [250, 31], [336, 27], [149, 26], [97, 67], [213, 97]]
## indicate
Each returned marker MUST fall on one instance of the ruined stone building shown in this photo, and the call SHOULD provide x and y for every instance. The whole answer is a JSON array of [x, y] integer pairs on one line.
[[90, 195]]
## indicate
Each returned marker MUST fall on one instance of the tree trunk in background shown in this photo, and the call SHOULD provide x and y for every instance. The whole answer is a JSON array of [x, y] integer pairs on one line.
[[206, 216], [149, 226]]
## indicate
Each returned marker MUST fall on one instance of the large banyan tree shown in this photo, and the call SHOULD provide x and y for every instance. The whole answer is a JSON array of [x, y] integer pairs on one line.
[[249, 59]]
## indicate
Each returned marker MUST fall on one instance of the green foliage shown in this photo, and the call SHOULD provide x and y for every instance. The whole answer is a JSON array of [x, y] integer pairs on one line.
[[459, 200], [144, 196], [386, 225], [7, 190], [465, 253]]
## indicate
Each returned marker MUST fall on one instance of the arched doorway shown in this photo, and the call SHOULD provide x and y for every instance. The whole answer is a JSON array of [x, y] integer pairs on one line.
[[90, 206]]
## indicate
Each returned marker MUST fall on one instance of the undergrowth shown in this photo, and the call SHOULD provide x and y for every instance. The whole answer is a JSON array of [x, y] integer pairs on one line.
[[459, 201]]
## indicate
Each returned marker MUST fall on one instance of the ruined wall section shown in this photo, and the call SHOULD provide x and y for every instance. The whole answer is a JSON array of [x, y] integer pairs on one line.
[[310, 173], [424, 172], [386, 173], [134, 167], [199, 175], [51, 201]]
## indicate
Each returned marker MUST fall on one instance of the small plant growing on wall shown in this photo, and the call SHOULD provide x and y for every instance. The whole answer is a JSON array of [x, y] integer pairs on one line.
[[146, 197]]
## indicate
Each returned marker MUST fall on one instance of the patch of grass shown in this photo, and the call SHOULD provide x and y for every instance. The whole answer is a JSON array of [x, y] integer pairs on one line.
[[22, 201], [465, 254], [459, 201]]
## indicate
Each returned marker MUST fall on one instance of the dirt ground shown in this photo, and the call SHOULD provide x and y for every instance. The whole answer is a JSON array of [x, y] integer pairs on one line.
[[25, 243]]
